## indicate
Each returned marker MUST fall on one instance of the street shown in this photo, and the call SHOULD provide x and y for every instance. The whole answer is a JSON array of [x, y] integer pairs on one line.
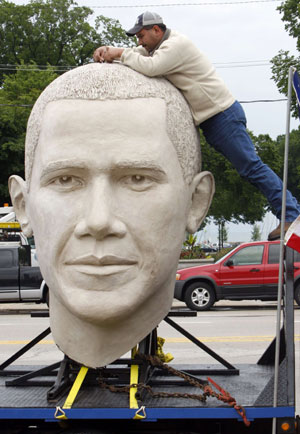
[[238, 331]]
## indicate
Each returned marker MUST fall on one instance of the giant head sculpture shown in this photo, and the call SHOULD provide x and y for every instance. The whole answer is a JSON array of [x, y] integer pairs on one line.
[[113, 182]]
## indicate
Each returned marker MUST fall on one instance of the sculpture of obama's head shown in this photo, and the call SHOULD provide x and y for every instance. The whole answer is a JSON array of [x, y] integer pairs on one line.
[[113, 182]]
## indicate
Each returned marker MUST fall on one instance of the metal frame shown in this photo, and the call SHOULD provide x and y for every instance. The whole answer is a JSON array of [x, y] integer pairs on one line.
[[67, 369], [282, 347], [231, 370]]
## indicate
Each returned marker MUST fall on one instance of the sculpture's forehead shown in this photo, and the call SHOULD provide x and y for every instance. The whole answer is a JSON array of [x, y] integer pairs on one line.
[[106, 133], [136, 111], [85, 120]]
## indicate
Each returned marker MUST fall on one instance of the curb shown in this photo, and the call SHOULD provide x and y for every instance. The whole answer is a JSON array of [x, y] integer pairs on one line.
[[20, 311]]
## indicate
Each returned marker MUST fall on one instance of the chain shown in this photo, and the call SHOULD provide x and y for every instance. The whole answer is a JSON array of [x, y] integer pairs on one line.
[[155, 361], [147, 388]]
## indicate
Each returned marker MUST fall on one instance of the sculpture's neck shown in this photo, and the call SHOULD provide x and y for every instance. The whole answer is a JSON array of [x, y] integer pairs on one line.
[[93, 345]]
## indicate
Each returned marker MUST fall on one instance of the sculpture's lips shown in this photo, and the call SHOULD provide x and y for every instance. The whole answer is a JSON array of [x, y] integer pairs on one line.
[[100, 261], [100, 267]]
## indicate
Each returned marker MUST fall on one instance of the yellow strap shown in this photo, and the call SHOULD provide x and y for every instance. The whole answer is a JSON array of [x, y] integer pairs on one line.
[[134, 378], [72, 394], [75, 388]]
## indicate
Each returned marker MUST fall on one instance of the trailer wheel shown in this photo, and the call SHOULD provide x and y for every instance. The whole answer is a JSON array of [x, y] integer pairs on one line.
[[297, 294], [199, 296]]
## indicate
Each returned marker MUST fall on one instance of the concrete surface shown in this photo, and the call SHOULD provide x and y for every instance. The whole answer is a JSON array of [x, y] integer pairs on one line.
[[25, 308]]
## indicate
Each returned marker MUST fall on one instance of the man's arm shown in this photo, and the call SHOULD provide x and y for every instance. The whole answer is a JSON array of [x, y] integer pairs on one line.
[[168, 58], [107, 54]]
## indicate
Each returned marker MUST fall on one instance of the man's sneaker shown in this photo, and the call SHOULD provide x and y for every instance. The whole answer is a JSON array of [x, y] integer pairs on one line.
[[275, 234]]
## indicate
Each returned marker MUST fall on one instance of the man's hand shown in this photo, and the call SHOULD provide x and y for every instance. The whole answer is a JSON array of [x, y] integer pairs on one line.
[[99, 54], [107, 54]]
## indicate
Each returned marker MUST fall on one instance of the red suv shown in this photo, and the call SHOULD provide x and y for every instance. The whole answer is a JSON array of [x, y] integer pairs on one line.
[[249, 272]]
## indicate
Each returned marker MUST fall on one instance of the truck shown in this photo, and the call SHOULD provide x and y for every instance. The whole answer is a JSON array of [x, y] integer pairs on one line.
[[248, 272], [19, 280]]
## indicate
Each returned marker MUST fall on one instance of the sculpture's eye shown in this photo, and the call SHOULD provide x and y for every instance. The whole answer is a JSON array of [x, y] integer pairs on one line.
[[67, 182], [138, 182], [138, 179]]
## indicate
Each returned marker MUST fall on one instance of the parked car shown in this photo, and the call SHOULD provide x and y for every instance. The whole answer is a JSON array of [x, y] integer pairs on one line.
[[19, 280], [208, 249], [248, 272]]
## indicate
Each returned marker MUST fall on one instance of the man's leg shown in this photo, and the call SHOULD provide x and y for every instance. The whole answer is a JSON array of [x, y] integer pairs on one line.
[[227, 133]]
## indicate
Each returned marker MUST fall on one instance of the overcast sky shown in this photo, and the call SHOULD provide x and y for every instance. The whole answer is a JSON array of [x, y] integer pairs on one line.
[[240, 38]]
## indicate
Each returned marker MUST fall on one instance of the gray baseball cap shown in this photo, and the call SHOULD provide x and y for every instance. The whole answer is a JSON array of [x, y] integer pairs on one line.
[[143, 20]]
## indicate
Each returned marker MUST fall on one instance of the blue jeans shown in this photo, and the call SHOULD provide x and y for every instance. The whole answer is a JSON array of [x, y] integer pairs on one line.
[[226, 132]]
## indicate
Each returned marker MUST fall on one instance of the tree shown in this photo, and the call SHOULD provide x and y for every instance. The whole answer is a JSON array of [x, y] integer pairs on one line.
[[222, 233], [255, 234], [52, 32], [55, 32], [283, 60], [293, 181], [112, 33], [17, 96], [236, 200]]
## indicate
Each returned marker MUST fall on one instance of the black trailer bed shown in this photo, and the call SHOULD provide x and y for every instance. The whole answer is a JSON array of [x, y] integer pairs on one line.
[[252, 389]]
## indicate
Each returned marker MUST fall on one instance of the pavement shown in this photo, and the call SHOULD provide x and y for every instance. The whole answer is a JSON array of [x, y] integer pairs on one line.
[[27, 308], [21, 308]]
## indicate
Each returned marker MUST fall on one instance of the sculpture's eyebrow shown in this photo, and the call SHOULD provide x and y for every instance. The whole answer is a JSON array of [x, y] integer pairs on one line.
[[150, 165], [61, 165]]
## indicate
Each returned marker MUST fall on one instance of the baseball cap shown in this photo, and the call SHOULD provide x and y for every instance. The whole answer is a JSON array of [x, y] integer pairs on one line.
[[145, 19]]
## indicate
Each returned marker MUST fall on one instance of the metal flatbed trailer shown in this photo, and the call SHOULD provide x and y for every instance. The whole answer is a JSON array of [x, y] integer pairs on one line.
[[102, 408], [141, 394]]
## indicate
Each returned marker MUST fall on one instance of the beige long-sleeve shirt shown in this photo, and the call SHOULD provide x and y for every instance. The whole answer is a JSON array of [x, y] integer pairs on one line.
[[184, 65]]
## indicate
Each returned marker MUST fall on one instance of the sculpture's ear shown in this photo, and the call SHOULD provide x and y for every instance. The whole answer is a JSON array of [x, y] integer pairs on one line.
[[18, 194], [203, 188]]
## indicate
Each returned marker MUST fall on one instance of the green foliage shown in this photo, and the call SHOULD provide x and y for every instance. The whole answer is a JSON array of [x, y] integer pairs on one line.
[[112, 33], [190, 249], [190, 241], [224, 233], [49, 32], [255, 233], [236, 200], [280, 73], [17, 95], [290, 10], [55, 32], [293, 183], [195, 253]]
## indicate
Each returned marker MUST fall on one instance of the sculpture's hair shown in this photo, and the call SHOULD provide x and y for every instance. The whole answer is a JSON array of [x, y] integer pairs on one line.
[[114, 82]]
